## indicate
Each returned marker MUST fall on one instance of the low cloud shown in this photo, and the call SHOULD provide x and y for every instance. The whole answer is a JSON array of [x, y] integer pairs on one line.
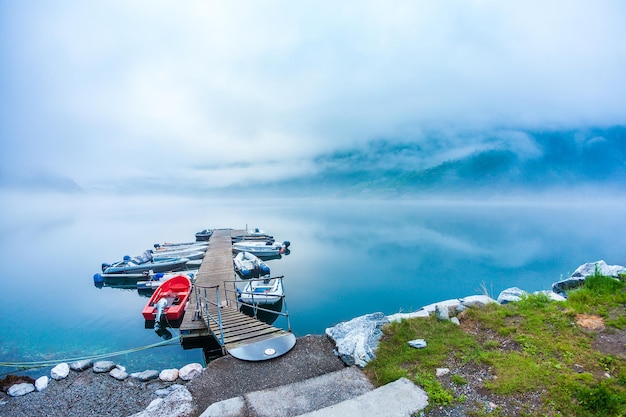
[[117, 91]]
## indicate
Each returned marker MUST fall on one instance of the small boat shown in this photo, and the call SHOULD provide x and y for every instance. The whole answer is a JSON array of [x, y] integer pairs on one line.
[[254, 234], [204, 235], [155, 280], [248, 265], [168, 301], [262, 291], [257, 232], [142, 263], [197, 246], [260, 248], [189, 254], [133, 279]]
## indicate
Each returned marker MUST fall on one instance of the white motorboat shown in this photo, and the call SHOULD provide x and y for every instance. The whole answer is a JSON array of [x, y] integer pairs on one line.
[[249, 265], [262, 291], [186, 253], [196, 246], [143, 263], [260, 248]]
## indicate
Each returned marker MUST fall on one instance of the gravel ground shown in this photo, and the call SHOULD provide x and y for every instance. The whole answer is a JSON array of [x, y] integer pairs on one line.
[[88, 394]]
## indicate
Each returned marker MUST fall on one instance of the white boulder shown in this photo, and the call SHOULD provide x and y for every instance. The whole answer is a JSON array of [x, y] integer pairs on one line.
[[356, 340], [60, 371], [190, 371], [18, 390], [41, 383], [510, 295], [168, 375]]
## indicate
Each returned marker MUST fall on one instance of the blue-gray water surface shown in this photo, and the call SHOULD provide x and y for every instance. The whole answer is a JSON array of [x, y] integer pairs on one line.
[[348, 258]]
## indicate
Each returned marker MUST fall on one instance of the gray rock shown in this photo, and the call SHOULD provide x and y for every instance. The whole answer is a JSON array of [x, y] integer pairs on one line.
[[60, 371], [190, 371], [80, 366], [145, 375], [551, 295], [103, 366], [450, 304], [233, 407], [41, 383], [585, 270], [455, 321], [442, 313], [168, 375], [178, 403], [356, 340], [417, 343], [442, 371], [18, 390], [477, 301], [164, 392], [406, 316], [510, 295], [119, 373]]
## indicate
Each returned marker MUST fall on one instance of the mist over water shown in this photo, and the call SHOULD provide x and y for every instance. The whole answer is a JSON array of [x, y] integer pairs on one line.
[[348, 258]]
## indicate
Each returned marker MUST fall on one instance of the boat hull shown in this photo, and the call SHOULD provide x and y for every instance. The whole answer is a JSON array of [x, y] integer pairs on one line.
[[176, 292], [262, 291], [164, 265], [248, 265], [258, 248]]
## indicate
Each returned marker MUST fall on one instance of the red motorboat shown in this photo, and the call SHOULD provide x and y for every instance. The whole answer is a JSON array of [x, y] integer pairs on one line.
[[169, 300]]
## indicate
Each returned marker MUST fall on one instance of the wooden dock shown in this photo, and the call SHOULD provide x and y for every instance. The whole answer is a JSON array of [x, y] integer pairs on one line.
[[212, 313]]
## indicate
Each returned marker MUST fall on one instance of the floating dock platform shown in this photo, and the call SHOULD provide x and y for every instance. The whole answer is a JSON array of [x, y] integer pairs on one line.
[[213, 314]]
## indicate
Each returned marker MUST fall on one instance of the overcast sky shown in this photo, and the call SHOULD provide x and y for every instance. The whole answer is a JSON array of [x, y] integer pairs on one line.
[[209, 91]]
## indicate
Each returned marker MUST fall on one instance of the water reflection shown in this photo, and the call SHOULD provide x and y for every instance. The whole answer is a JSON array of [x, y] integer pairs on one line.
[[267, 313], [348, 258]]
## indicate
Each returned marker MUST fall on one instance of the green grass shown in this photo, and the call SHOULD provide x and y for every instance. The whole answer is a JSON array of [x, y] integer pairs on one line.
[[546, 351]]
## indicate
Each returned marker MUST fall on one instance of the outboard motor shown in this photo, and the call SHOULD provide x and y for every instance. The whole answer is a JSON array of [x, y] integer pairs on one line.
[[98, 280], [160, 308], [286, 243]]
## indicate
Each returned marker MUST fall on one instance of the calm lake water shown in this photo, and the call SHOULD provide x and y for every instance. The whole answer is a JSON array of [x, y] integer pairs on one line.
[[348, 258]]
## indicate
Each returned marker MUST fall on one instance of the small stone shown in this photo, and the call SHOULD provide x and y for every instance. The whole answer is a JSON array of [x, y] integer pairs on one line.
[[145, 375], [442, 312], [442, 371], [455, 321], [164, 392], [190, 371], [168, 375], [118, 374], [103, 366], [417, 343], [41, 383], [60, 371], [18, 390], [80, 366], [511, 295]]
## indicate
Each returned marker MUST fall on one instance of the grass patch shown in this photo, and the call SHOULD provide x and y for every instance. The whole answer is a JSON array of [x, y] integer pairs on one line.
[[533, 346], [395, 357]]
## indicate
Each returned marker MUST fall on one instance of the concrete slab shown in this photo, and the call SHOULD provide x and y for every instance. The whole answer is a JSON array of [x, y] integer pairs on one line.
[[233, 407], [400, 398], [294, 399], [311, 394]]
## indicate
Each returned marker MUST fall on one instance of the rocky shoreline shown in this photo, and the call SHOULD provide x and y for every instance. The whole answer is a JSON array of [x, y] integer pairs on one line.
[[104, 388]]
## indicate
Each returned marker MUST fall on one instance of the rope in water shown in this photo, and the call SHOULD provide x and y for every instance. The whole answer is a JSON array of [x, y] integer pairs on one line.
[[40, 364]]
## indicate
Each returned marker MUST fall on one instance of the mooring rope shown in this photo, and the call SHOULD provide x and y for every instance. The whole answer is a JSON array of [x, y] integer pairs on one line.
[[40, 364]]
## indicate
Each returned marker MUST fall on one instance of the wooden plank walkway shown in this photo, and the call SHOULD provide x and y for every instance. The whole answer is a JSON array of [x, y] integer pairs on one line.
[[244, 337]]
